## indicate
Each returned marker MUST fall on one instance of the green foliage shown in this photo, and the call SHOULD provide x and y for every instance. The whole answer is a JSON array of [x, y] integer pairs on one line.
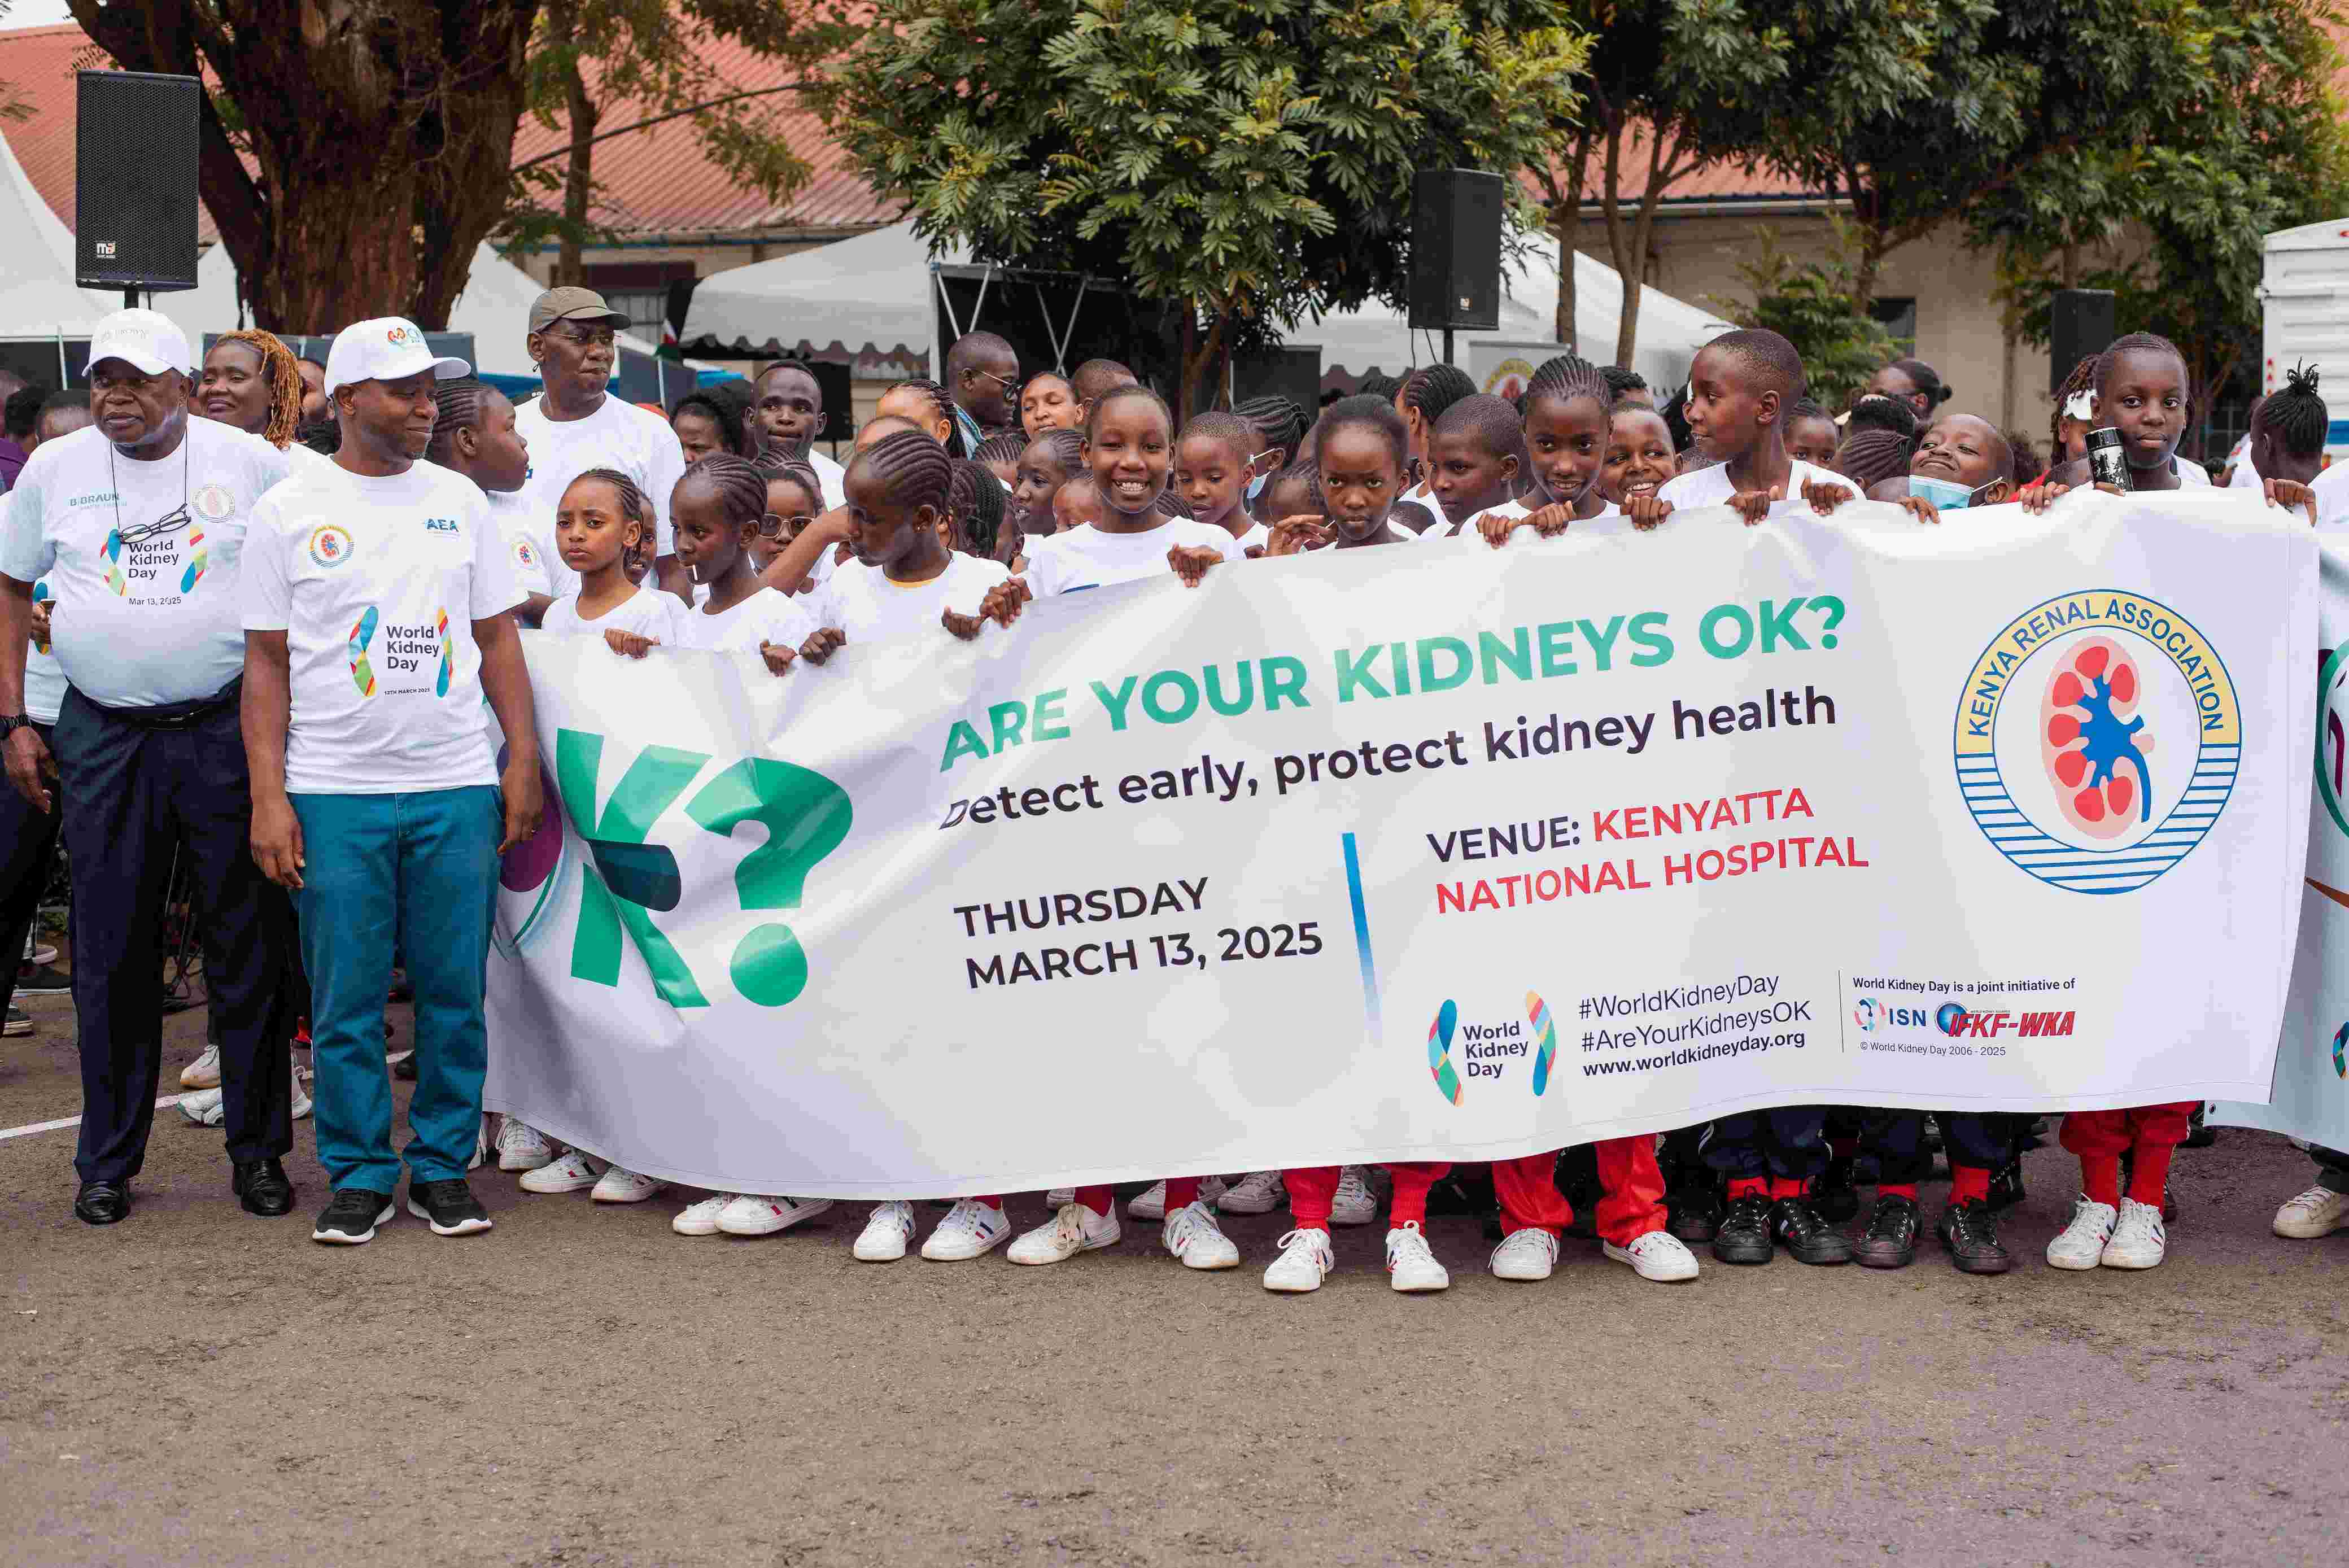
[[1814, 305], [1249, 158]]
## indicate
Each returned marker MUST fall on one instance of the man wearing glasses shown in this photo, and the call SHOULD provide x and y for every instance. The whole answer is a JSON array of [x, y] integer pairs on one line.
[[575, 424], [983, 379], [137, 524]]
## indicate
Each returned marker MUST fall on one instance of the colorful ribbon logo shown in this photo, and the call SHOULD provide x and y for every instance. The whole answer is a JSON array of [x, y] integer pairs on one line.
[[1544, 1039], [362, 672], [114, 578], [198, 559], [440, 687], [1439, 1052]]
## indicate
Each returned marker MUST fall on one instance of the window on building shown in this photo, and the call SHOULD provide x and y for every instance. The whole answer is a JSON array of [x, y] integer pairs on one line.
[[640, 289], [1899, 318]]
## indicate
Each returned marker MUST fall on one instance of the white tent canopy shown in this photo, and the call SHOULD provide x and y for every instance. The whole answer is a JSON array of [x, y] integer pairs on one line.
[[494, 306], [37, 294], [874, 292]]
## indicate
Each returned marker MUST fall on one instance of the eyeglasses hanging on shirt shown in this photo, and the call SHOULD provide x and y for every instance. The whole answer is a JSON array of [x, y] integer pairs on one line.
[[170, 521]]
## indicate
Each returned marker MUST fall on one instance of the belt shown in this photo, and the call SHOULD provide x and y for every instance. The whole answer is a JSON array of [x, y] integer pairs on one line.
[[172, 715]]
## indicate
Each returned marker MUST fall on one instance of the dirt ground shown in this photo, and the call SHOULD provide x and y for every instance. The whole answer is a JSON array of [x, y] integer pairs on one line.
[[582, 1386]]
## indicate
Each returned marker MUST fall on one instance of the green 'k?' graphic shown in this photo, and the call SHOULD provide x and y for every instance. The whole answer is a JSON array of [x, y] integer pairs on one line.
[[806, 817]]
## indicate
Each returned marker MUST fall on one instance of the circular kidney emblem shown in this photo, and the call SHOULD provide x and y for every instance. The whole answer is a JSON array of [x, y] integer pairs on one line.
[[2097, 740], [330, 544], [213, 502]]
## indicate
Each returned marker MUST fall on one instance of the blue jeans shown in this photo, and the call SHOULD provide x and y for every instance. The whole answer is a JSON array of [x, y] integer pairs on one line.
[[418, 871]]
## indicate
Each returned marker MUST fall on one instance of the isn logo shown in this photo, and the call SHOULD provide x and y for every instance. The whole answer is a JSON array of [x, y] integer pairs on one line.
[[1872, 1014], [1488, 1049], [1959, 1025], [2096, 740]]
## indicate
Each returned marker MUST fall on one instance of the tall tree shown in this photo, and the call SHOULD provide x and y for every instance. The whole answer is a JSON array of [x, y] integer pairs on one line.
[[1248, 160], [599, 67], [2175, 225], [379, 134], [1669, 86]]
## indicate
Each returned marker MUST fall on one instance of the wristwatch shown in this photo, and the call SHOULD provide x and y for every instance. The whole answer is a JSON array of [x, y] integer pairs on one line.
[[11, 723]]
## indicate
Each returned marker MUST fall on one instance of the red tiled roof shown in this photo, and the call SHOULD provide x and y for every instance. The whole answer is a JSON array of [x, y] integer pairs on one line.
[[653, 181], [1707, 182]]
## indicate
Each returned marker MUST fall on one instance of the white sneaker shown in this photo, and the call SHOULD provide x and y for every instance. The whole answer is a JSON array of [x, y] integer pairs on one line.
[[887, 1231], [1074, 1229], [2319, 1211], [204, 1072], [1527, 1255], [1305, 1261], [2140, 1240], [1410, 1265], [756, 1214], [481, 1144], [1193, 1236], [1353, 1204], [519, 1146], [702, 1218], [210, 1108], [972, 1229], [301, 1095], [2081, 1243], [577, 1168], [1659, 1256], [1060, 1198], [1258, 1192], [1150, 1203], [617, 1185]]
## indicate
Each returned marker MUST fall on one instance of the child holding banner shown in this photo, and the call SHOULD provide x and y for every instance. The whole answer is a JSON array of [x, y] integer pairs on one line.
[[1742, 387], [1128, 448]]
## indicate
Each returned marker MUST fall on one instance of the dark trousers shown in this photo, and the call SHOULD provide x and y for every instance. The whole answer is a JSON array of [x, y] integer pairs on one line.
[[133, 794], [2332, 1168], [1984, 1140], [28, 842], [1787, 1143]]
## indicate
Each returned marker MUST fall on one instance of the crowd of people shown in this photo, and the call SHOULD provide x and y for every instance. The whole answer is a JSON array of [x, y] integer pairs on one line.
[[252, 612]]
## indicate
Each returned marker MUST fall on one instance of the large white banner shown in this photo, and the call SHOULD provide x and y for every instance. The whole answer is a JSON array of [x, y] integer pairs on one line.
[[2310, 1093], [1431, 852]]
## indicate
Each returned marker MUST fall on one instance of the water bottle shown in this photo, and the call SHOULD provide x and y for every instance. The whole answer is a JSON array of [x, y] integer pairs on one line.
[[2106, 464]]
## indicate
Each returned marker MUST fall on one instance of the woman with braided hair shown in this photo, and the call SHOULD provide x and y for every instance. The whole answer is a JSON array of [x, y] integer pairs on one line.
[[905, 585], [252, 383]]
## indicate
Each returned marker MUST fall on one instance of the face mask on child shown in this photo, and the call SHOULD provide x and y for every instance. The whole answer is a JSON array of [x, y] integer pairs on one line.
[[1256, 486], [1946, 495]]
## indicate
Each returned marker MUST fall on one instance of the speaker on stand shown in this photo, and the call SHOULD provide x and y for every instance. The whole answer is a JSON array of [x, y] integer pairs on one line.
[[135, 139], [1455, 252], [2080, 322]]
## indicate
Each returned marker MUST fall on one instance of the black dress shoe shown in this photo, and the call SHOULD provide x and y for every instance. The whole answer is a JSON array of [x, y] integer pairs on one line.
[[2006, 1184], [1796, 1226], [1971, 1232], [1891, 1239], [1744, 1234], [102, 1202], [262, 1187]]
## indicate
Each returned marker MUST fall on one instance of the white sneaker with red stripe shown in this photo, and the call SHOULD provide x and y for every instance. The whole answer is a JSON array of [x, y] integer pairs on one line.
[[1075, 1229], [756, 1214], [888, 1230], [972, 1229], [1305, 1261], [1193, 1236], [1410, 1266]]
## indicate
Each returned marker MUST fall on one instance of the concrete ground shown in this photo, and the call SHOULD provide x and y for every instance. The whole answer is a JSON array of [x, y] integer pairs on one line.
[[581, 1386]]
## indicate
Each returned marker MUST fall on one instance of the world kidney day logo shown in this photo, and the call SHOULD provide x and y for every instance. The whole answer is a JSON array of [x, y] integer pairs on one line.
[[1486, 1049], [2098, 739], [627, 876]]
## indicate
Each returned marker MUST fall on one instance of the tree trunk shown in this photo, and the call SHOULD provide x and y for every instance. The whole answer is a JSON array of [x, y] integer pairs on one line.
[[579, 169], [1566, 221], [382, 136], [1200, 356]]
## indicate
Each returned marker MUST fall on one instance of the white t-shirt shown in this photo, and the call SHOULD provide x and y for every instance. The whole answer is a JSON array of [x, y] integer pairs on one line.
[[861, 601], [1712, 486], [646, 613], [2191, 475], [766, 617], [532, 569], [2332, 488], [1256, 538], [1610, 522], [153, 619], [617, 435], [376, 583], [1444, 528], [828, 477], [1086, 557], [44, 678], [2245, 477]]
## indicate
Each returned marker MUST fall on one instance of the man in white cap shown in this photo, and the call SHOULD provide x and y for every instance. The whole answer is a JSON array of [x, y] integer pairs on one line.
[[377, 614], [139, 523], [575, 424]]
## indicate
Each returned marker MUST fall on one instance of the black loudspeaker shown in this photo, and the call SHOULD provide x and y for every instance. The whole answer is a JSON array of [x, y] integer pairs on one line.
[[2080, 322], [1455, 249], [1292, 373], [135, 138]]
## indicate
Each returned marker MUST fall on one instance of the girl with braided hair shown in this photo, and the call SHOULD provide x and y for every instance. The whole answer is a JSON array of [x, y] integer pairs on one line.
[[1564, 419], [707, 422], [927, 405], [794, 501], [1425, 393], [475, 434], [2288, 430], [1049, 461], [726, 497], [1048, 403], [979, 504], [999, 455], [2076, 414], [905, 583]]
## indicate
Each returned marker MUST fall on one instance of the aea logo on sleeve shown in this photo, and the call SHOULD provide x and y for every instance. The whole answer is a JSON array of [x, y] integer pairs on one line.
[[2098, 739]]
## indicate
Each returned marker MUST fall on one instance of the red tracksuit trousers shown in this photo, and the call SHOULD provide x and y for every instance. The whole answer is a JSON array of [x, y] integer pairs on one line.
[[2101, 1136], [1633, 1204], [1313, 1187]]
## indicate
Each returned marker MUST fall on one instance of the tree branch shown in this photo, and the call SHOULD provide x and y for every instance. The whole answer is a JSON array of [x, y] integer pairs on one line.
[[564, 151]]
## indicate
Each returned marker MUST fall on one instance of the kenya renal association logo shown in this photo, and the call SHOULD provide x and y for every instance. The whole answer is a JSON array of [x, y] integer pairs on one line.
[[330, 544], [2098, 739], [627, 877]]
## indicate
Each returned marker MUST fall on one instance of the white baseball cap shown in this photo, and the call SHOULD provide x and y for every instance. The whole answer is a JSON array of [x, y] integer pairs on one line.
[[387, 349], [147, 340]]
